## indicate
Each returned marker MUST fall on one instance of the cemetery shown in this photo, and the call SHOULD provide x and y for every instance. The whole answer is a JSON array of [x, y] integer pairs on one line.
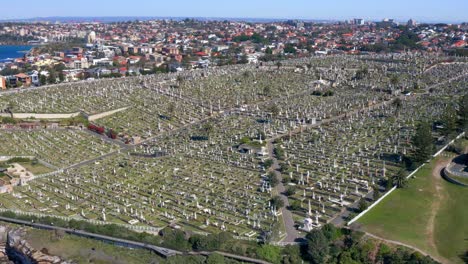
[[58, 148], [338, 127]]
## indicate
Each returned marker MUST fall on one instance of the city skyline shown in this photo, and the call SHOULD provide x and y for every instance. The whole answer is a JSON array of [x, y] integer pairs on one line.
[[452, 11]]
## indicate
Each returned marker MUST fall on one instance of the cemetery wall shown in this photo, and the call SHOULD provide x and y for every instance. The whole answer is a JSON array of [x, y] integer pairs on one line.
[[449, 176], [40, 116], [108, 113]]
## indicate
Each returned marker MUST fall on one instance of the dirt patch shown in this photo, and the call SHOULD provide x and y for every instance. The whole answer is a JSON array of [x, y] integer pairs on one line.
[[439, 196], [373, 253]]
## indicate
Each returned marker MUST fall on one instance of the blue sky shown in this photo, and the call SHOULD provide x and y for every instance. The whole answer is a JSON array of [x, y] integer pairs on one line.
[[421, 10]]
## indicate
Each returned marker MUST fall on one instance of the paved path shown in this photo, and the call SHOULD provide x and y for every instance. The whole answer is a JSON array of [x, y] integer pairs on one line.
[[233, 256], [165, 252], [291, 233]]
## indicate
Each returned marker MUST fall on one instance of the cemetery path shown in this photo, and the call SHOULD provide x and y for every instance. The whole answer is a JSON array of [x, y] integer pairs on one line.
[[342, 218], [442, 63], [291, 233], [362, 109], [400, 244], [86, 162], [106, 138]]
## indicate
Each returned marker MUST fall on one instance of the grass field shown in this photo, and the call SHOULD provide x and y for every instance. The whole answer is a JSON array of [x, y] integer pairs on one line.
[[35, 169], [451, 229], [83, 250], [429, 214]]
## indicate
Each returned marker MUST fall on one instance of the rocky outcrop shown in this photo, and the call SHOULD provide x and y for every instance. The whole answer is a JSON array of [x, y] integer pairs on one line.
[[3, 252], [20, 251]]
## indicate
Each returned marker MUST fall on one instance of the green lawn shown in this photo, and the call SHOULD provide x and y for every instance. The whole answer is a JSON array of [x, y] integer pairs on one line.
[[35, 169], [404, 216], [451, 230], [84, 250]]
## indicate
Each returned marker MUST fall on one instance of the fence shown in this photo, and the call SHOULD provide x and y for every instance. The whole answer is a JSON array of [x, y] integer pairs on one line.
[[95, 222]]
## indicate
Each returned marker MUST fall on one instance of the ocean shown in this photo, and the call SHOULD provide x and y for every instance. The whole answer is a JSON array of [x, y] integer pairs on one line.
[[13, 51]]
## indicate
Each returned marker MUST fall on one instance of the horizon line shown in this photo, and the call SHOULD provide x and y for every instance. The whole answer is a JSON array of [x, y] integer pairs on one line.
[[271, 19]]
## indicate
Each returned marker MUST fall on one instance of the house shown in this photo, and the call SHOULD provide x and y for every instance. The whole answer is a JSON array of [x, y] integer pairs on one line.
[[2, 83], [34, 77], [97, 72], [11, 80], [76, 51], [156, 57], [175, 67], [133, 59], [24, 78], [102, 62], [79, 64], [72, 75]]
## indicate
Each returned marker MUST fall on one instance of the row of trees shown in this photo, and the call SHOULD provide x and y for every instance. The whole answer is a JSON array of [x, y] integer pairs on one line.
[[326, 245], [333, 245], [454, 120]]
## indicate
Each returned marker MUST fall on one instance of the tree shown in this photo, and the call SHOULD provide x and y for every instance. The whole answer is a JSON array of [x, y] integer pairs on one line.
[[61, 76], [289, 48], [267, 163], [174, 239], [331, 232], [215, 258], [362, 205], [266, 91], [277, 201], [361, 73], [422, 141], [269, 253], [291, 254], [51, 79], [291, 190], [346, 257], [295, 205], [399, 179], [171, 108], [463, 111], [464, 256], [180, 80], [376, 192], [247, 74], [19, 84], [43, 79], [279, 153], [208, 129], [279, 64], [449, 120], [273, 179], [398, 105], [243, 59], [274, 110], [317, 248], [394, 80]]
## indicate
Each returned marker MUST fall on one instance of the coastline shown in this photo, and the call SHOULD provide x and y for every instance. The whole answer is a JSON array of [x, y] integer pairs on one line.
[[11, 52]]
